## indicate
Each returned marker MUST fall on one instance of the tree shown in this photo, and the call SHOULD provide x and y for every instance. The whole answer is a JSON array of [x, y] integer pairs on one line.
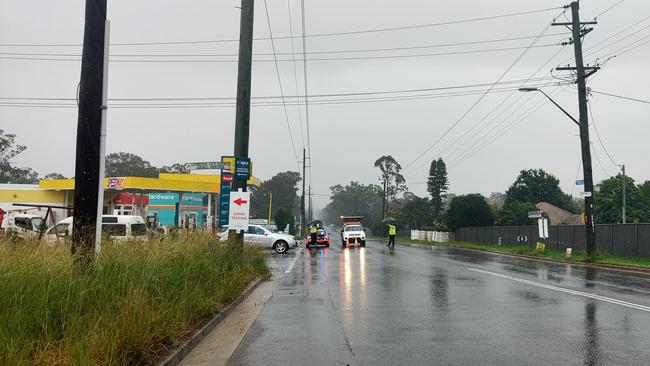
[[354, 199], [391, 178], [645, 190], [608, 201], [9, 150], [437, 185], [52, 176], [417, 212], [174, 168], [469, 210], [497, 199], [536, 185], [284, 187], [281, 218], [123, 164], [516, 213]]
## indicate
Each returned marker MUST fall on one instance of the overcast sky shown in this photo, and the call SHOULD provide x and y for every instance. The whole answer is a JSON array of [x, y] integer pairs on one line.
[[346, 138]]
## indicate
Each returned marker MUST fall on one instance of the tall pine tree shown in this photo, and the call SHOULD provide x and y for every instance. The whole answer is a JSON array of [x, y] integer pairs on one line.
[[437, 185]]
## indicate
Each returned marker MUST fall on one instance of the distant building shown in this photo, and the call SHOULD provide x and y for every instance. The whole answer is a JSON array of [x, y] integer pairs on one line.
[[558, 216]]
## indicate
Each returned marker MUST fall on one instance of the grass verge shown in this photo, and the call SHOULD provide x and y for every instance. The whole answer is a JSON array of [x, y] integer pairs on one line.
[[549, 253], [136, 304]]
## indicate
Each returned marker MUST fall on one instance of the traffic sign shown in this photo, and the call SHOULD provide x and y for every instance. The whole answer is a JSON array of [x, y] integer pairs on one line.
[[585, 194], [239, 210], [580, 182], [242, 168], [535, 214], [207, 165]]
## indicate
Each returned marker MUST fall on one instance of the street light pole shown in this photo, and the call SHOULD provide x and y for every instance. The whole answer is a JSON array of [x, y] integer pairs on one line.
[[588, 179]]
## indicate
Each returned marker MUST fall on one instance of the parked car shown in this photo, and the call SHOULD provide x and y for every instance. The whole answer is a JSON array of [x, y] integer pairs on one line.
[[261, 236], [321, 238], [117, 227]]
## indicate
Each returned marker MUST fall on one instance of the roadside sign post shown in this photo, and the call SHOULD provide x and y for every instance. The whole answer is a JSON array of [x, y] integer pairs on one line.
[[225, 187], [239, 211]]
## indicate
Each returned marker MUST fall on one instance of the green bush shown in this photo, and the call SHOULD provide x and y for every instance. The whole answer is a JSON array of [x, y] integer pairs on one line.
[[133, 306]]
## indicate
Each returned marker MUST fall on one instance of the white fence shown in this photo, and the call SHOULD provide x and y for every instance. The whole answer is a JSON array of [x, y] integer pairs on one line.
[[433, 236]]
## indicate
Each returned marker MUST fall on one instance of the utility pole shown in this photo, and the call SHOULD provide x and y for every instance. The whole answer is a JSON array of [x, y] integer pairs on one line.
[[578, 33], [303, 222], [243, 114], [89, 130], [310, 212], [624, 195], [270, 207]]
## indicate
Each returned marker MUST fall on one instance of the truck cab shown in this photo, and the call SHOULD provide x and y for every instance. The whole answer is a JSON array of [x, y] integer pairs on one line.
[[352, 231]]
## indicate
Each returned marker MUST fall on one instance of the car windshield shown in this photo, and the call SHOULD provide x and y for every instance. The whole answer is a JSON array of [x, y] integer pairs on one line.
[[353, 228], [37, 222]]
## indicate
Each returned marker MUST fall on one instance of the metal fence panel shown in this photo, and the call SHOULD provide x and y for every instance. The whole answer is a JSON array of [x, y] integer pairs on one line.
[[616, 239]]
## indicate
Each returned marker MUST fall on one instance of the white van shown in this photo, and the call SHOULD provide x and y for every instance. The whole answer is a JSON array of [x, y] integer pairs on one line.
[[117, 227], [23, 225]]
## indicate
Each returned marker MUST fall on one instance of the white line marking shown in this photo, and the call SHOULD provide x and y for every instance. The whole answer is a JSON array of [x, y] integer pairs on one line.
[[566, 290], [293, 263]]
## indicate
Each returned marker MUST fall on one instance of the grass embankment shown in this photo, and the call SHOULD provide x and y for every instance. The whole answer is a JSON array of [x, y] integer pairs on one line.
[[132, 307], [549, 253]]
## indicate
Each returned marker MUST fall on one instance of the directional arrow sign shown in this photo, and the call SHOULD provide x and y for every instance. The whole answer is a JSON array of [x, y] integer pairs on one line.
[[239, 202], [239, 210]]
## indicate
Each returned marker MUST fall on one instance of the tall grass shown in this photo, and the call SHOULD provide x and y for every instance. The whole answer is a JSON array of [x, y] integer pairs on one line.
[[137, 302]]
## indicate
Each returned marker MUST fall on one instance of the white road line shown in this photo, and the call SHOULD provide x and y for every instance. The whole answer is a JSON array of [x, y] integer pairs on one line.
[[565, 290], [293, 263]]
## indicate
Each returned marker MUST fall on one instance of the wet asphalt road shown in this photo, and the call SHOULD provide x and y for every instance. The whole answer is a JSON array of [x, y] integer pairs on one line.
[[413, 306]]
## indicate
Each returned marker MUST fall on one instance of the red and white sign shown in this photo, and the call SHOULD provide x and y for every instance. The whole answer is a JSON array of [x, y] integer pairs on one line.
[[227, 178], [239, 210], [116, 183]]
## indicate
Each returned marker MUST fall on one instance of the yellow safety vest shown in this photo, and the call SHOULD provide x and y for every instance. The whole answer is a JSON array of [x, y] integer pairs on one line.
[[391, 229], [313, 230]]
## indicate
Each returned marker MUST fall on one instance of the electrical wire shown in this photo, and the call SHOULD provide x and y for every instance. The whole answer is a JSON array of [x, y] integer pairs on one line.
[[468, 111], [277, 70], [295, 73], [292, 53], [365, 31], [600, 140], [620, 96], [608, 9], [354, 58]]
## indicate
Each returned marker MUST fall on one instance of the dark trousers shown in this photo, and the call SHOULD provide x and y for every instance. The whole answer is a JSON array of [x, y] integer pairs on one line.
[[314, 237], [391, 240]]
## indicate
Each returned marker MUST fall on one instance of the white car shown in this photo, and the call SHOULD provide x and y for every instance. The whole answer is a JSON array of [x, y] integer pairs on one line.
[[261, 236], [353, 234], [117, 227]]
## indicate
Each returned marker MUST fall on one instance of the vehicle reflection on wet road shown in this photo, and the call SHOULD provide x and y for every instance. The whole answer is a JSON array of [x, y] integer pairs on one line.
[[414, 306]]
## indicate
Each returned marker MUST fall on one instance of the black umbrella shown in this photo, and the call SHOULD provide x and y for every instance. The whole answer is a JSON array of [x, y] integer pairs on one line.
[[315, 222], [388, 219]]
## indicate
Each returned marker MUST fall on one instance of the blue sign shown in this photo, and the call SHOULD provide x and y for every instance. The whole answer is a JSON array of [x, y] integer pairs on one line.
[[242, 168], [580, 182]]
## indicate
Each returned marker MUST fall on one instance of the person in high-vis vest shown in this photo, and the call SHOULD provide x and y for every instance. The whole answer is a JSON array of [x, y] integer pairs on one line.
[[313, 232], [391, 236]]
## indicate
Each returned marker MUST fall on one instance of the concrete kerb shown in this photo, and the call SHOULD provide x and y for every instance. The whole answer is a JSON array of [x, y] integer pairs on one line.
[[515, 255], [184, 349]]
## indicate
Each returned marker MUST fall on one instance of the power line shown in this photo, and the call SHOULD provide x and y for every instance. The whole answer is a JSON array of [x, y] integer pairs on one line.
[[365, 31], [66, 58], [462, 117], [295, 73], [225, 104], [458, 147], [277, 69], [620, 96], [610, 8], [292, 53], [600, 140], [322, 95]]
